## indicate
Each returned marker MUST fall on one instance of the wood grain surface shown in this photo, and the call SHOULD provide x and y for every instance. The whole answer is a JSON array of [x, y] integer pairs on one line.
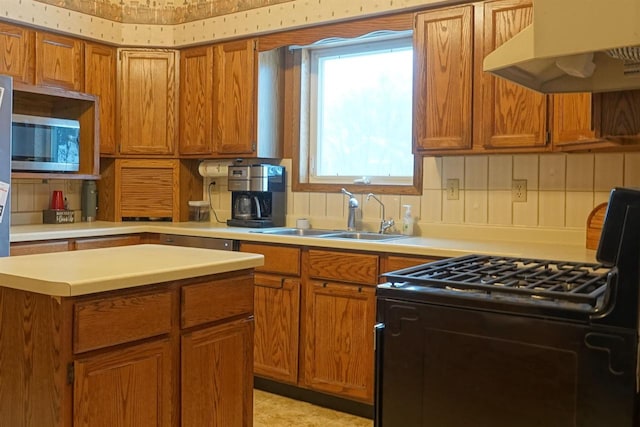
[[594, 225]]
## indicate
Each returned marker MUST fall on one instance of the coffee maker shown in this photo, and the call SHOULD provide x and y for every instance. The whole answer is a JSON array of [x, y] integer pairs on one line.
[[258, 195]]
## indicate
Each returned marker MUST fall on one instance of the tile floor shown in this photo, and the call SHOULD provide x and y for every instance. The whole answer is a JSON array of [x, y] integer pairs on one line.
[[271, 410]]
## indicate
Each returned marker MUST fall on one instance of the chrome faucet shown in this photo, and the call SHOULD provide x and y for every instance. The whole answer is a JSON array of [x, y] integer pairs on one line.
[[353, 207], [384, 224]]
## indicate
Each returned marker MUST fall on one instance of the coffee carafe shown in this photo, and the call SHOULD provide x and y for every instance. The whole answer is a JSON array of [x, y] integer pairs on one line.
[[246, 206], [257, 195]]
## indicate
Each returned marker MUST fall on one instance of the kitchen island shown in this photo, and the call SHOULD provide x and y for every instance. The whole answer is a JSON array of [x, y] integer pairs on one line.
[[145, 335]]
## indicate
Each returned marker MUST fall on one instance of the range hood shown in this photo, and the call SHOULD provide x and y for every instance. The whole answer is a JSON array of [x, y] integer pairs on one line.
[[574, 46]]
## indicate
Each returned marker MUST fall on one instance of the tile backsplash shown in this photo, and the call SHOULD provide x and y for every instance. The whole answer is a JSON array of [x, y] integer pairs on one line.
[[561, 191], [29, 197]]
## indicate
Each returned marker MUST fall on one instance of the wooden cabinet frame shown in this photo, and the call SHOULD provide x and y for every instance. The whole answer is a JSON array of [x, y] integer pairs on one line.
[[147, 90], [48, 382], [51, 102]]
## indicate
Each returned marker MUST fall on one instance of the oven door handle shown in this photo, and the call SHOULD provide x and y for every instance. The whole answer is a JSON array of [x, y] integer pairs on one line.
[[378, 338]]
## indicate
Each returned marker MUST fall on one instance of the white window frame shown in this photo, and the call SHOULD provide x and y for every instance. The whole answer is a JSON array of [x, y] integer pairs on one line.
[[309, 102]]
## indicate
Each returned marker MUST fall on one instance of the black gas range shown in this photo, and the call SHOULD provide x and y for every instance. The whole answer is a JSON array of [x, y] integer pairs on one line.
[[518, 285], [493, 341]]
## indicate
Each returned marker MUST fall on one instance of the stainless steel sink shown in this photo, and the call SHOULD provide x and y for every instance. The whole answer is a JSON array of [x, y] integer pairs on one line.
[[315, 232], [337, 234], [360, 235]]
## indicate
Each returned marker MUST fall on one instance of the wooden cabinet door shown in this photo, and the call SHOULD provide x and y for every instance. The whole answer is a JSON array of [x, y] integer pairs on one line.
[[443, 45], [196, 79], [620, 115], [148, 101], [18, 53], [129, 387], [217, 374], [59, 61], [508, 115], [147, 188], [572, 119], [338, 349], [100, 79], [277, 313], [234, 97]]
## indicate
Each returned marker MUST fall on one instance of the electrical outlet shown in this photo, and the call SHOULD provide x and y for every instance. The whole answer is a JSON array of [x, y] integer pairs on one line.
[[453, 189], [519, 190]]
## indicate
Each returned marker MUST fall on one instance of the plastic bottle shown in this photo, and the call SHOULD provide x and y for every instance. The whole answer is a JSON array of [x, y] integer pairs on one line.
[[407, 221]]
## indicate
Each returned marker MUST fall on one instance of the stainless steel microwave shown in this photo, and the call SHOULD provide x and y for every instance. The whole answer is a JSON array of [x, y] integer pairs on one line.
[[44, 144]]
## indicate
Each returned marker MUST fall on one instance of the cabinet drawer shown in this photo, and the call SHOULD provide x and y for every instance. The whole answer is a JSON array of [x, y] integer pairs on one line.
[[216, 299], [110, 321], [107, 242], [30, 248], [277, 259], [345, 267], [393, 263]]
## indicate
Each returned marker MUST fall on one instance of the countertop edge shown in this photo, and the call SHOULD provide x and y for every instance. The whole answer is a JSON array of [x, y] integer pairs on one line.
[[416, 246], [55, 278]]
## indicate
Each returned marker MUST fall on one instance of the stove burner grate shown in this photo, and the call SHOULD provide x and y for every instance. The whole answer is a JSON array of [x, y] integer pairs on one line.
[[559, 281]]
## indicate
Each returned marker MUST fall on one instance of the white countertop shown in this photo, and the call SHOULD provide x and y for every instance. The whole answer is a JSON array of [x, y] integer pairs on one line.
[[424, 246], [97, 270]]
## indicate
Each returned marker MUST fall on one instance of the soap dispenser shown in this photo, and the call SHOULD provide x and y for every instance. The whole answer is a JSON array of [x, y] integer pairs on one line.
[[407, 221]]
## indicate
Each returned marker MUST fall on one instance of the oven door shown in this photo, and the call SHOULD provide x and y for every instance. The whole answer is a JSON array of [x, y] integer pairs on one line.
[[452, 367]]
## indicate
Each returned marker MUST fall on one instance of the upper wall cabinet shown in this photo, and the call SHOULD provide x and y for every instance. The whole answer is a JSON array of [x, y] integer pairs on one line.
[[619, 116], [59, 61], [443, 44], [509, 115], [246, 99], [234, 94], [231, 101], [148, 101], [458, 108], [573, 119], [41, 58], [196, 77], [17, 51], [596, 121], [100, 79]]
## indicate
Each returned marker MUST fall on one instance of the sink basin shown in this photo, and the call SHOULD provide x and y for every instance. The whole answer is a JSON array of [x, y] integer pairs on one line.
[[300, 232], [358, 235], [315, 232]]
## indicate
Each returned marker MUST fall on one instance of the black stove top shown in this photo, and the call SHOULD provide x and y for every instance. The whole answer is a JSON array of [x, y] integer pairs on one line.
[[521, 279]]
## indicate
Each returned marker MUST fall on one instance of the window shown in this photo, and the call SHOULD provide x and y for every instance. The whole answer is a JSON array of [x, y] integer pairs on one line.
[[359, 109]]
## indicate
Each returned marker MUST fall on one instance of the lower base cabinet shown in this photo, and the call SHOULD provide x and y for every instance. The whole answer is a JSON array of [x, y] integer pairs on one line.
[[277, 310], [163, 355], [339, 320], [138, 378], [217, 363]]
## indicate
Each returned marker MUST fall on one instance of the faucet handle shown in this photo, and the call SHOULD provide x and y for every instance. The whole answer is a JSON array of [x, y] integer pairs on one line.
[[345, 192], [353, 202]]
